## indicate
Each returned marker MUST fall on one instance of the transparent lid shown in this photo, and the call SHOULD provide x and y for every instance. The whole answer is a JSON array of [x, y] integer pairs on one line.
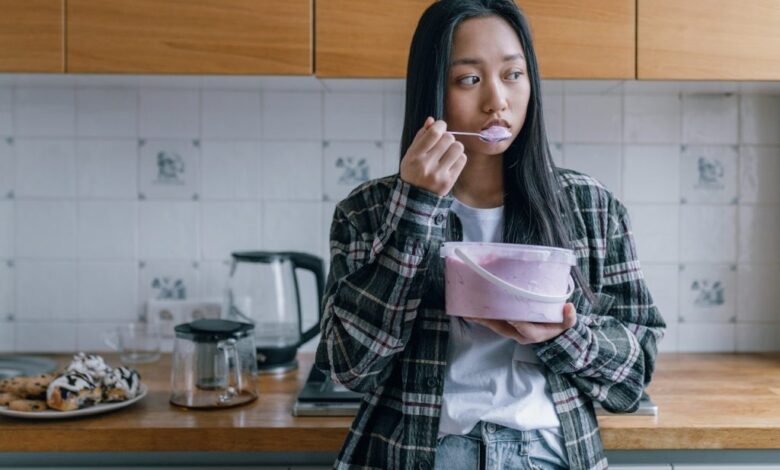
[[536, 253]]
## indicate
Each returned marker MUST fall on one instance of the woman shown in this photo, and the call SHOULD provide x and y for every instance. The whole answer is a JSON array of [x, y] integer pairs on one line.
[[442, 392]]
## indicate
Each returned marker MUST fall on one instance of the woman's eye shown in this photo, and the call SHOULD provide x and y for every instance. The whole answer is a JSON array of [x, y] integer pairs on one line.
[[515, 75], [470, 80]]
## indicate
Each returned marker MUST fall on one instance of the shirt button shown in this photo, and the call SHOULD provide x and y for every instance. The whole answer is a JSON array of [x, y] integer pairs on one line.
[[432, 382], [491, 428], [423, 465], [439, 219]]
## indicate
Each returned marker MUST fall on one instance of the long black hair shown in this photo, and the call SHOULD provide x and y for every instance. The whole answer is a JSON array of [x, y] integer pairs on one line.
[[536, 211]]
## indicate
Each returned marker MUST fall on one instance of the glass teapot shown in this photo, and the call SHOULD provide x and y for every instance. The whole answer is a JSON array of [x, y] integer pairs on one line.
[[263, 289], [214, 364]]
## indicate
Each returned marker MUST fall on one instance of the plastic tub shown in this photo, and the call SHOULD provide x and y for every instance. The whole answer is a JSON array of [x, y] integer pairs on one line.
[[507, 281]]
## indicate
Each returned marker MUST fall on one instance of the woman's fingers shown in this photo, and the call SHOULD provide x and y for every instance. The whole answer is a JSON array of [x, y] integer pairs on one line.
[[451, 155], [434, 160], [430, 136]]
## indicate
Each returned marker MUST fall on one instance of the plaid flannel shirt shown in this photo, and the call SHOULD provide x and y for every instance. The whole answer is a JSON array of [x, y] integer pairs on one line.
[[384, 330]]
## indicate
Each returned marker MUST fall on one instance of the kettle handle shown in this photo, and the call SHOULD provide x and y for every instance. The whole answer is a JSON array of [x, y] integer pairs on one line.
[[316, 265]]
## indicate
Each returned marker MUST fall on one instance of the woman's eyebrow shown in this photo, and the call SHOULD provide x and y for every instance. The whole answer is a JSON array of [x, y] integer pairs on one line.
[[471, 61]]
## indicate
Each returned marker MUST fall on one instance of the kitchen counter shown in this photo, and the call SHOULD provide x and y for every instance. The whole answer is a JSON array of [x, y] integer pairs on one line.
[[705, 401]]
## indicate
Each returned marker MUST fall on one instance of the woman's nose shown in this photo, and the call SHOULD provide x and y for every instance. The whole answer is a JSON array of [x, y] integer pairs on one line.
[[495, 98]]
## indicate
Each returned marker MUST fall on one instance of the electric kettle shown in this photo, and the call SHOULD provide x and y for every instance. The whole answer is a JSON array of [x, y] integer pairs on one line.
[[214, 364], [263, 289]]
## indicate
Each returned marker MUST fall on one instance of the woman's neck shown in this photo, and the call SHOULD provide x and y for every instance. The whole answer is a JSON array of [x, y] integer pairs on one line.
[[481, 183]]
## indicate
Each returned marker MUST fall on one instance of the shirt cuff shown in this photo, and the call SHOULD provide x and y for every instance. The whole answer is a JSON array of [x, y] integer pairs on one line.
[[561, 352], [418, 213]]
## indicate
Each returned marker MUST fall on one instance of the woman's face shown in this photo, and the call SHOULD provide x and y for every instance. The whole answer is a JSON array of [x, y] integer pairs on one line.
[[487, 84]]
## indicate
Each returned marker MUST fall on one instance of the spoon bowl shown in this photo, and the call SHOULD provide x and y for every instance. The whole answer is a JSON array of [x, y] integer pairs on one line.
[[493, 134]]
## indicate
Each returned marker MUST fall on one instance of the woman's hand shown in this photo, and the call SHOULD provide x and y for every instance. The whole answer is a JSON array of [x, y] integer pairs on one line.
[[434, 160], [525, 332]]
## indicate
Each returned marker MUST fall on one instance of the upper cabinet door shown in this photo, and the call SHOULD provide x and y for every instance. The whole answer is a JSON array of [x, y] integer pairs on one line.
[[574, 39], [190, 36], [31, 36], [709, 39]]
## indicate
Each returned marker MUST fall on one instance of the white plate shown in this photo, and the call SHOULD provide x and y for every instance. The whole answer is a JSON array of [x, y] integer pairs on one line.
[[91, 410]]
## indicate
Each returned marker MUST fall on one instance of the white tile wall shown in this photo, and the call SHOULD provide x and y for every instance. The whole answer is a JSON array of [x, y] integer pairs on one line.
[[6, 111], [6, 166], [229, 170], [117, 189], [169, 113], [107, 112], [107, 169]]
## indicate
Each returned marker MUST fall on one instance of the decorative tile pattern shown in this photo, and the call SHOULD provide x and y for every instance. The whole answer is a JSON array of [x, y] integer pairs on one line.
[[708, 293], [708, 175], [169, 169], [348, 164], [167, 280]]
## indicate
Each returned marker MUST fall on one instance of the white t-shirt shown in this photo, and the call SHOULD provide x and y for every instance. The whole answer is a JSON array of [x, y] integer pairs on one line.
[[490, 377]]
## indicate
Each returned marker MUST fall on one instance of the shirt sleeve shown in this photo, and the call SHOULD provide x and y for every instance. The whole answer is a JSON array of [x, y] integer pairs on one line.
[[610, 352], [374, 285]]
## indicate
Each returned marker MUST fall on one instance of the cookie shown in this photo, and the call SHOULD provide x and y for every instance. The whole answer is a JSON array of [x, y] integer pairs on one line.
[[27, 405], [6, 398], [28, 387]]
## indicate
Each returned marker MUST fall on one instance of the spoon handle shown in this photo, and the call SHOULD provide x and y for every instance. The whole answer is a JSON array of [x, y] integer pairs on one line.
[[465, 133]]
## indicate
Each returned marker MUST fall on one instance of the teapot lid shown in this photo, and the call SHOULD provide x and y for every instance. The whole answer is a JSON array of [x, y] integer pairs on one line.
[[213, 330]]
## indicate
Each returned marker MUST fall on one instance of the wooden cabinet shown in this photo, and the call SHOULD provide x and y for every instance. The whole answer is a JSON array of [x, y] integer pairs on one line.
[[31, 36], [574, 39], [190, 36], [708, 39]]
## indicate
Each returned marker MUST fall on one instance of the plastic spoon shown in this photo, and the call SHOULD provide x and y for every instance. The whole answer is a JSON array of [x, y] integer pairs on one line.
[[492, 134]]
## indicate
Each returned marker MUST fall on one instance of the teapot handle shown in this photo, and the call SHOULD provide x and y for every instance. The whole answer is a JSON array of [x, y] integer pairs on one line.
[[233, 383], [316, 265]]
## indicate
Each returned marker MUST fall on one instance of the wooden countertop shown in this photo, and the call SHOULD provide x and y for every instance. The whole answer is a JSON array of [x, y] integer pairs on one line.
[[706, 401]]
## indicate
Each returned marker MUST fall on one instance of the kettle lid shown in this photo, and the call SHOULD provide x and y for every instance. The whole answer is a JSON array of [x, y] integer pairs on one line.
[[213, 330]]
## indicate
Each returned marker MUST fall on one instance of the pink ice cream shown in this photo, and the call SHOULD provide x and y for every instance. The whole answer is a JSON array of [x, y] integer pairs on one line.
[[495, 134]]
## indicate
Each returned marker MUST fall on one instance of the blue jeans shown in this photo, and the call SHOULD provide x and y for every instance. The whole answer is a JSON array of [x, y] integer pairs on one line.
[[494, 447]]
